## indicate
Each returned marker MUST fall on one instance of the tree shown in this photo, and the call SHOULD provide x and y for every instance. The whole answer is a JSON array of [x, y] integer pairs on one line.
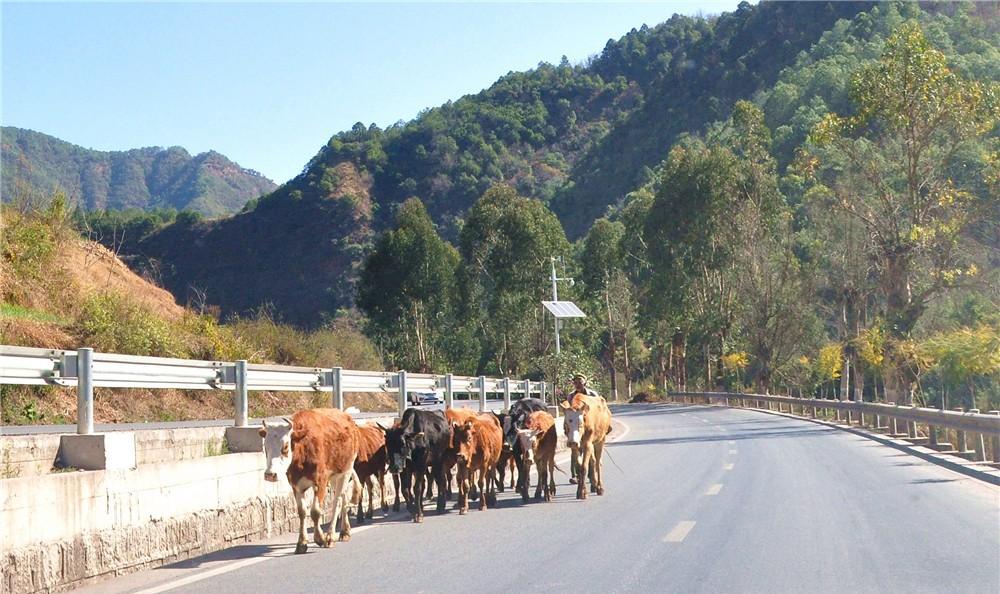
[[407, 289], [889, 167], [506, 245]]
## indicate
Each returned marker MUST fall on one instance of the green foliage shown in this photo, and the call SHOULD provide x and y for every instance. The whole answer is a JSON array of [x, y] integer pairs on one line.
[[407, 290], [507, 244], [113, 323]]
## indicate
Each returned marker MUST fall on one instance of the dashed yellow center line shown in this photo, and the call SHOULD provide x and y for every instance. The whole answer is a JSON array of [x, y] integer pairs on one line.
[[714, 489], [680, 531]]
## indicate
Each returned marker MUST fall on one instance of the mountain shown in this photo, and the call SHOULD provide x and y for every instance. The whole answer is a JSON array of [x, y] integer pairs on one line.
[[144, 178], [577, 137]]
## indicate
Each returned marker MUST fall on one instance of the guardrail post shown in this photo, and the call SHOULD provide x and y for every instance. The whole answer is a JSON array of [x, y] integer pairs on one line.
[[527, 388], [960, 444], [506, 394], [541, 390], [482, 393], [978, 443], [996, 440], [932, 436], [241, 393], [338, 388], [402, 401], [85, 391], [449, 390]]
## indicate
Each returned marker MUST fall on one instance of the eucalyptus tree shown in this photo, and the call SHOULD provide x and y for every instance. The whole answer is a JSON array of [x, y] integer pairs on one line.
[[891, 167], [506, 245], [408, 289]]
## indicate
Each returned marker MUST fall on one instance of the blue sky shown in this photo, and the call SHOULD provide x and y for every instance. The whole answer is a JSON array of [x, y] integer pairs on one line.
[[268, 84]]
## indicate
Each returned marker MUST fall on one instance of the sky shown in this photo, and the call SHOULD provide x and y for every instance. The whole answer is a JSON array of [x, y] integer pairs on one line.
[[268, 84]]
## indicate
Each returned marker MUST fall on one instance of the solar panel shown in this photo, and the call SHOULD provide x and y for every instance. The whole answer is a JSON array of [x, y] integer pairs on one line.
[[563, 309]]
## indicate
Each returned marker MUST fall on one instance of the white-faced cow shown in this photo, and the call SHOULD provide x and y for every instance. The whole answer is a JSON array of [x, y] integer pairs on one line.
[[587, 422], [315, 448], [538, 444]]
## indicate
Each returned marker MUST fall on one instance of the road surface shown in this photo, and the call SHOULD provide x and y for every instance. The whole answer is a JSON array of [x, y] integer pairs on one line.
[[698, 499]]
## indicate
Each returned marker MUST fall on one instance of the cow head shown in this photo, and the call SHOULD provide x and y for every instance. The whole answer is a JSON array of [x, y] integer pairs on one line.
[[396, 447], [573, 415], [528, 438], [277, 448], [463, 439]]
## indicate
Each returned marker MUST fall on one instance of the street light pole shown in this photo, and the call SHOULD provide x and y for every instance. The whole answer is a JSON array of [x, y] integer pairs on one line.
[[555, 297]]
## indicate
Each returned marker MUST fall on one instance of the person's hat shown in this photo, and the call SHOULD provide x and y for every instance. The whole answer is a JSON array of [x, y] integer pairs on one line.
[[579, 376]]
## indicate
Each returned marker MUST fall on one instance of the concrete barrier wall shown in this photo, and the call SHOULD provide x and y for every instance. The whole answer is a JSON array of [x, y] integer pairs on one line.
[[65, 529]]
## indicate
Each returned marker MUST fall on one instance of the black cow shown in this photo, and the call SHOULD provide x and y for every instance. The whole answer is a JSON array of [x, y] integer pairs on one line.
[[426, 437], [515, 419]]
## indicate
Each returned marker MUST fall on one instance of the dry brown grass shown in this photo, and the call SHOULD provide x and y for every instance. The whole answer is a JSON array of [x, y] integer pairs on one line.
[[94, 267]]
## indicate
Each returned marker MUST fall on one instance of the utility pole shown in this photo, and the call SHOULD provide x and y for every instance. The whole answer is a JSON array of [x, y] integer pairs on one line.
[[555, 296]]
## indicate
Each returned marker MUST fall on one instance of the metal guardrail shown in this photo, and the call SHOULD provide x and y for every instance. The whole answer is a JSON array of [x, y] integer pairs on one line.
[[964, 433], [86, 369]]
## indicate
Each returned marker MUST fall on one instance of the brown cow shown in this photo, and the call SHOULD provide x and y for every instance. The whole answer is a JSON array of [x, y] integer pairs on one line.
[[370, 465], [318, 446], [538, 444], [587, 423], [477, 441]]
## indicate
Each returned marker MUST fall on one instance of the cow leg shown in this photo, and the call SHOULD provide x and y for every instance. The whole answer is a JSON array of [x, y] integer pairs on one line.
[[599, 466], [399, 490], [462, 479], [371, 497], [430, 484], [512, 466], [586, 455], [417, 511], [441, 475], [381, 490], [526, 481], [501, 470], [551, 465], [300, 504], [540, 463], [574, 463], [491, 485], [361, 504], [481, 481], [316, 511], [342, 488]]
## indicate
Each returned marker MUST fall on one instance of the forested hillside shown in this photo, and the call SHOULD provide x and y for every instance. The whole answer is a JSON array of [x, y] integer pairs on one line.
[[532, 130], [146, 178]]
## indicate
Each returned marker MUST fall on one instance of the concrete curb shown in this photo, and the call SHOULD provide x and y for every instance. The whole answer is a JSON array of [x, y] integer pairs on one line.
[[959, 465]]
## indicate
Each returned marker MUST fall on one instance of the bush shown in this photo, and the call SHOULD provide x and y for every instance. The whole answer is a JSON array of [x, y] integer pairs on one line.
[[113, 323]]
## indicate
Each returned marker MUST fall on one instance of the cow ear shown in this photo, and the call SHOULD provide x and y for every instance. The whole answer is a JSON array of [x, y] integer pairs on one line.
[[565, 405], [287, 420], [379, 425], [454, 425], [468, 425]]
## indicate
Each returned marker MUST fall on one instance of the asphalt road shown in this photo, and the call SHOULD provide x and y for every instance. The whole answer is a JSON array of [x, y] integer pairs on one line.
[[706, 500]]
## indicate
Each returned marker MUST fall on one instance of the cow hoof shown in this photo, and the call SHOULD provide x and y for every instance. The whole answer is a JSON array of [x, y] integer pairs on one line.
[[395, 507], [461, 512], [593, 489], [572, 481], [418, 519], [600, 490], [491, 500], [301, 548], [345, 537]]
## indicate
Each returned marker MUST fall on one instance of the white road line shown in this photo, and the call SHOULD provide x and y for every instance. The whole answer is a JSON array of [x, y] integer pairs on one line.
[[714, 489], [728, 466], [204, 575], [680, 531], [731, 442], [732, 451]]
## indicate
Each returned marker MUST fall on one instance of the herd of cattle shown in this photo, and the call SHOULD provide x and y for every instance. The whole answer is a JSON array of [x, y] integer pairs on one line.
[[324, 448]]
